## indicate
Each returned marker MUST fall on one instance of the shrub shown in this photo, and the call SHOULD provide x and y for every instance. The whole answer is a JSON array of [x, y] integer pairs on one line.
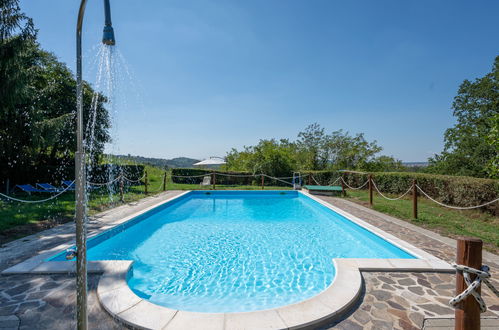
[[225, 177], [238, 178], [460, 191]]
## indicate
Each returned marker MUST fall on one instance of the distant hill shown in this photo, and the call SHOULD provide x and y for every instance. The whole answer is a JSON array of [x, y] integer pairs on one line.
[[415, 164], [160, 162]]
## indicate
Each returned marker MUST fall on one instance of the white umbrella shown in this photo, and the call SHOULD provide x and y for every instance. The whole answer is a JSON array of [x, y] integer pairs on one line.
[[211, 161]]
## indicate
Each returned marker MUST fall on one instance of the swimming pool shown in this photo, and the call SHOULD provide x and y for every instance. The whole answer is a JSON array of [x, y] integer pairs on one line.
[[228, 251]]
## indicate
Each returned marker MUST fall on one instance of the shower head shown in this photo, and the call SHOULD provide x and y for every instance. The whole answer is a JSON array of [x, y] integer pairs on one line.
[[108, 35]]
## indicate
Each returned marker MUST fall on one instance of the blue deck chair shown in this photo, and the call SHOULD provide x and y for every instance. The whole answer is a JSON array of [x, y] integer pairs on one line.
[[70, 184], [48, 187], [29, 188]]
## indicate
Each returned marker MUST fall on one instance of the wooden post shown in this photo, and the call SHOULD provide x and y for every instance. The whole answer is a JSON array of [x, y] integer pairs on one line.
[[7, 186], [469, 253], [309, 179], [263, 180], [343, 187], [164, 181], [213, 177], [414, 199], [370, 179], [145, 183], [122, 199]]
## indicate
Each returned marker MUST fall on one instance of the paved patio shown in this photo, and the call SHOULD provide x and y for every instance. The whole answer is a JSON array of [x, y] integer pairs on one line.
[[404, 300]]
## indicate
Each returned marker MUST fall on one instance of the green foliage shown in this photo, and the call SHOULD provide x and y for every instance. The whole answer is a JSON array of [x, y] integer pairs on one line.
[[452, 190], [238, 178], [38, 102], [313, 150], [350, 152], [493, 139], [471, 146], [271, 157]]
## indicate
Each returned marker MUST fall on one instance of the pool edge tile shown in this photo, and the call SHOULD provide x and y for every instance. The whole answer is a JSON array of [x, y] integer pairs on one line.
[[118, 300], [157, 316], [262, 320], [196, 321]]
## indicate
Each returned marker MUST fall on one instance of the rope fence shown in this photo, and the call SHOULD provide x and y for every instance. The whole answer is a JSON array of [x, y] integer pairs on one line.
[[482, 276], [135, 181], [388, 198], [354, 188], [38, 201], [455, 207], [414, 187]]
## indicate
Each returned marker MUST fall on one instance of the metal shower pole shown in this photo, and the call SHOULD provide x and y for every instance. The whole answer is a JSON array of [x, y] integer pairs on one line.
[[80, 176]]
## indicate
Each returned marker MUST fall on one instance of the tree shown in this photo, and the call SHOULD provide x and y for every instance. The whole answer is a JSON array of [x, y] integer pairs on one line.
[[313, 150], [493, 139], [38, 103], [54, 118], [349, 152], [271, 157], [17, 36], [311, 145], [383, 164], [471, 146]]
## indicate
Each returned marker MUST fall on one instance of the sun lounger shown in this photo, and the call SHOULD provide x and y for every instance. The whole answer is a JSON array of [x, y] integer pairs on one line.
[[48, 187], [29, 188], [324, 190], [206, 181]]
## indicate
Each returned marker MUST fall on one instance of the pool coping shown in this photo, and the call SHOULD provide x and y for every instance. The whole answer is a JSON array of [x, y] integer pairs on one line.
[[122, 303]]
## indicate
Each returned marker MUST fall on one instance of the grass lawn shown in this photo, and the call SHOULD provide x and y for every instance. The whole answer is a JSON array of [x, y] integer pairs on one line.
[[22, 219], [447, 222]]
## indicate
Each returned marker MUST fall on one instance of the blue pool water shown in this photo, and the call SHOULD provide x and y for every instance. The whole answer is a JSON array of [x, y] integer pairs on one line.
[[236, 251]]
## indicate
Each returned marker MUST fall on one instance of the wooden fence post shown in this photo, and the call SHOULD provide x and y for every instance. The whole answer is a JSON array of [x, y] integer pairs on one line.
[[343, 187], [414, 199], [213, 177], [469, 253], [146, 182], [370, 178], [122, 199], [263, 180], [164, 181]]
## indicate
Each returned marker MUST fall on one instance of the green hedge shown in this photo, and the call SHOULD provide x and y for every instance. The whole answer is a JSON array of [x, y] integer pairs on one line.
[[98, 173], [223, 179], [105, 172], [322, 177], [220, 179], [452, 190]]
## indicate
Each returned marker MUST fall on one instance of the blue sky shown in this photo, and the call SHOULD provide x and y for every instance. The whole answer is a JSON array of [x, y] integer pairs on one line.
[[217, 74]]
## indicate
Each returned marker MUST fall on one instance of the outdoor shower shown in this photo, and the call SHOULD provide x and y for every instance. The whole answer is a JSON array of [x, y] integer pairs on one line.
[[80, 175]]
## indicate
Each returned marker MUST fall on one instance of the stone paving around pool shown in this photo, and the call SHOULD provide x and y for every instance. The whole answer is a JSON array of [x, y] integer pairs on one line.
[[401, 300]]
